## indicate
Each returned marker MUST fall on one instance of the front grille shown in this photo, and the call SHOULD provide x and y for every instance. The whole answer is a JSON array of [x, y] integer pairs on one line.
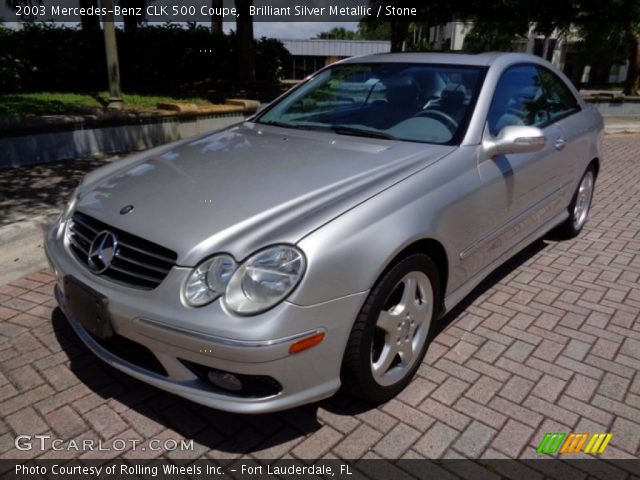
[[137, 262]]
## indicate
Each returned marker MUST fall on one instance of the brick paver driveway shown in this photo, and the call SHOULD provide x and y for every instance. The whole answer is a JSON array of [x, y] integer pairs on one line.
[[549, 343]]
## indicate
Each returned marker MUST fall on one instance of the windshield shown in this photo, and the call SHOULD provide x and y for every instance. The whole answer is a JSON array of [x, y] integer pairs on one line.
[[413, 102]]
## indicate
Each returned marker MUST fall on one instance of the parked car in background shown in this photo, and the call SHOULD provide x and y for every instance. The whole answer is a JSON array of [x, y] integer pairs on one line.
[[317, 244]]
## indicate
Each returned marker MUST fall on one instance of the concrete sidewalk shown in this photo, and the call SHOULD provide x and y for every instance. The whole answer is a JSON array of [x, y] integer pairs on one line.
[[32, 198]]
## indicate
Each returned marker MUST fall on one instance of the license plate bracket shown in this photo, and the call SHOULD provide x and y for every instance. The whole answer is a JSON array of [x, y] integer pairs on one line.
[[88, 307]]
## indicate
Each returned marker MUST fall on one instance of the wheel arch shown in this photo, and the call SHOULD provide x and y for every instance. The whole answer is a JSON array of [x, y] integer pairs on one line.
[[595, 162], [436, 252]]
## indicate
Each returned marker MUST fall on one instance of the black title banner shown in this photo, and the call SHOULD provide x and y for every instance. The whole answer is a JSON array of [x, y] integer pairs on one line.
[[202, 10], [378, 469]]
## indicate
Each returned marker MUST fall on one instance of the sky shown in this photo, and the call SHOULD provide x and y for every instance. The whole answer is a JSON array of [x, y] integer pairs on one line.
[[292, 30], [288, 30]]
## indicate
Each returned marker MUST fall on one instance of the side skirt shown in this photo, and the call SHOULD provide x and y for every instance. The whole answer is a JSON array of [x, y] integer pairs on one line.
[[461, 292]]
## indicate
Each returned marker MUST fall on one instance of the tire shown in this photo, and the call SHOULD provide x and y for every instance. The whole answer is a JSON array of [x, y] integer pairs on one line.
[[380, 362], [579, 206]]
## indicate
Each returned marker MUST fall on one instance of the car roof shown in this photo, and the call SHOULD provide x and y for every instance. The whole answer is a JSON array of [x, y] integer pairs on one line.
[[480, 59]]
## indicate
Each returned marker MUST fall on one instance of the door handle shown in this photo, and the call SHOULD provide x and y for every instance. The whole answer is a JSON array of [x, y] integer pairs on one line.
[[560, 143]]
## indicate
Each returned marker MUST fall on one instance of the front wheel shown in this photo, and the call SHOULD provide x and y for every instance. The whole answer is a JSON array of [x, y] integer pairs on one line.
[[390, 336], [580, 206]]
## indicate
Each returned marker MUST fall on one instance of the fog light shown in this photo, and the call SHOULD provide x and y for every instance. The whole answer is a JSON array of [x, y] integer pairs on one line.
[[225, 380]]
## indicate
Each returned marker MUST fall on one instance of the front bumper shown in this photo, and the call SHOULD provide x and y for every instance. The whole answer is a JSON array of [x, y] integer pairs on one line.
[[212, 337]]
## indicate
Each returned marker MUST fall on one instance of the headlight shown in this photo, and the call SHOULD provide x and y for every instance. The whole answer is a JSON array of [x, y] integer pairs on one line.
[[265, 279], [209, 280]]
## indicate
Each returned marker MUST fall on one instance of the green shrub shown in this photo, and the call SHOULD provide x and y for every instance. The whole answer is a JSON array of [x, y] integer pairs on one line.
[[154, 58]]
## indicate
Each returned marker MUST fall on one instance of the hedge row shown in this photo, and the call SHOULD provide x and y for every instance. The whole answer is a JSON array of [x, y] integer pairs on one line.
[[168, 58]]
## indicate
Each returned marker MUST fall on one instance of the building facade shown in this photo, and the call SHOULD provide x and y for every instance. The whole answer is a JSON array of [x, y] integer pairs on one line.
[[308, 56]]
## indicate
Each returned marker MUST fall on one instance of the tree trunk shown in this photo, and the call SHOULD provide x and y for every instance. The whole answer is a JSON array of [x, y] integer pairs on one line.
[[131, 22], [216, 20], [245, 53], [89, 22], [399, 30], [632, 83], [111, 50], [545, 47]]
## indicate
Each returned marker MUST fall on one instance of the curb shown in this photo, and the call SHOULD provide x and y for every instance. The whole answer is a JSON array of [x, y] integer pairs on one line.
[[87, 141], [624, 128]]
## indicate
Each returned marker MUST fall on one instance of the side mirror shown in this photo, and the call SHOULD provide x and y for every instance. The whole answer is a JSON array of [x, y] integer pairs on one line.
[[514, 139]]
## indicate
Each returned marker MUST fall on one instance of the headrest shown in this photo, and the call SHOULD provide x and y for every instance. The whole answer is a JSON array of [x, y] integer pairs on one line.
[[400, 81], [454, 93]]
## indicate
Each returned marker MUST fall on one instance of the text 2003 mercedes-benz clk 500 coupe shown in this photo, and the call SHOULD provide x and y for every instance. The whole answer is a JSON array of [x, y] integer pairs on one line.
[[317, 244]]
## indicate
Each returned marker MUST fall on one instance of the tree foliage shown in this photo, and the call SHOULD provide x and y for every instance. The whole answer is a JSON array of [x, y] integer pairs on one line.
[[153, 58], [610, 29], [487, 35], [339, 33], [615, 23], [366, 31]]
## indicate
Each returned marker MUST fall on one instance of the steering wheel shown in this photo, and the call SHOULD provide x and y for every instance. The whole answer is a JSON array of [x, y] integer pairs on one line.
[[443, 118]]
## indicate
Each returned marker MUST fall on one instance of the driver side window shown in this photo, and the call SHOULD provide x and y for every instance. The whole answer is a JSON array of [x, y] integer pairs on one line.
[[517, 99]]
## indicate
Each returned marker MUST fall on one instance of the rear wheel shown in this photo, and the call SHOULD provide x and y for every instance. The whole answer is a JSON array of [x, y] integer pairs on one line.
[[391, 334], [580, 206]]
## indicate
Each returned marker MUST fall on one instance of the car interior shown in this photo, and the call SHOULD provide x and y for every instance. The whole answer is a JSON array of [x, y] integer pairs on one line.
[[416, 103], [527, 96]]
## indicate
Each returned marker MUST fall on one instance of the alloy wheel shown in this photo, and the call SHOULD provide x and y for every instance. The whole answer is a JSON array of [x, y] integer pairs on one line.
[[402, 328], [583, 200]]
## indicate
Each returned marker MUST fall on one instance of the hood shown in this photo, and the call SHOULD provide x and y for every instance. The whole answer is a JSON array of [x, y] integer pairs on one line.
[[246, 187]]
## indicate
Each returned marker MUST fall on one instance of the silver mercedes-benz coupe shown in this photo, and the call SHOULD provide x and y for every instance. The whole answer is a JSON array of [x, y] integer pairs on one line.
[[317, 244]]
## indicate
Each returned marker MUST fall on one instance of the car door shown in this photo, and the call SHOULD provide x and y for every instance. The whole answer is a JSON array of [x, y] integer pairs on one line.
[[519, 190], [561, 109]]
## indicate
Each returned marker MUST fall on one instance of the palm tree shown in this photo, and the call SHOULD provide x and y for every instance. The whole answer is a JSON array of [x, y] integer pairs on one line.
[[244, 38], [89, 22], [111, 50], [216, 20], [131, 22]]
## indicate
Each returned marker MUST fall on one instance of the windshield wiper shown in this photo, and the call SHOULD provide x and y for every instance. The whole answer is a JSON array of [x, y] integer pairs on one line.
[[281, 124], [299, 126], [361, 132], [339, 129]]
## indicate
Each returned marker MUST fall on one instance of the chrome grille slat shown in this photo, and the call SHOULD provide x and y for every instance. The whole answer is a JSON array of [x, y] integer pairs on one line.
[[139, 250], [137, 262], [126, 258], [79, 245], [85, 225], [124, 271], [77, 232]]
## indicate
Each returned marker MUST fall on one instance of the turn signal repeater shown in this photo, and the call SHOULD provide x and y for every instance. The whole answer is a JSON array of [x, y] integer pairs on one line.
[[306, 343]]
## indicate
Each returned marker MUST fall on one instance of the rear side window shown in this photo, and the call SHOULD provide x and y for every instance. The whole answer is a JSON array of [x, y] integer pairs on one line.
[[517, 99], [559, 101]]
